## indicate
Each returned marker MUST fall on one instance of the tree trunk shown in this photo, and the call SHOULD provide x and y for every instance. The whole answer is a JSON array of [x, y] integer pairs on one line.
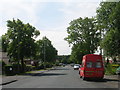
[[22, 63]]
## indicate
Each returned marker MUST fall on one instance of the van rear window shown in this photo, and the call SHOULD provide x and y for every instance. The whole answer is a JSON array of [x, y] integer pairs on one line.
[[98, 65], [89, 65]]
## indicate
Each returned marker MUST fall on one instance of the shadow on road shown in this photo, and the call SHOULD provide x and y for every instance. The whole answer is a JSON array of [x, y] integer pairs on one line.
[[51, 74], [103, 80], [8, 82], [44, 74], [60, 69]]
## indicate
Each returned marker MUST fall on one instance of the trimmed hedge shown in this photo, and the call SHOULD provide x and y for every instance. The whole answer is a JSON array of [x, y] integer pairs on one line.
[[9, 70], [45, 65], [17, 68]]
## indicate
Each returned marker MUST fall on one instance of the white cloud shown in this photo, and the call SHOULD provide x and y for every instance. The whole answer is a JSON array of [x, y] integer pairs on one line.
[[25, 11], [76, 10]]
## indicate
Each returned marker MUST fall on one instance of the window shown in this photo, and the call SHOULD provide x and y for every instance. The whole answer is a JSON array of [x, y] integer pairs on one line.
[[98, 65], [89, 65]]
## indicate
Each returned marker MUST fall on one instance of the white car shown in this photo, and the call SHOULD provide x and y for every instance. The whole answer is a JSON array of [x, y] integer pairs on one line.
[[76, 66]]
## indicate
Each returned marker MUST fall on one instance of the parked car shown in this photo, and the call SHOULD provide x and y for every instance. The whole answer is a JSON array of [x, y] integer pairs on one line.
[[118, 71], [60, 64], [92, 67], [63, 65], [72, 64], [76, 66]]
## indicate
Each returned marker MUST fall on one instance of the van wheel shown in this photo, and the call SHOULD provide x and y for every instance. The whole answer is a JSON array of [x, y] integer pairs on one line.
[[80, 76], [84, 78], [101, 78]]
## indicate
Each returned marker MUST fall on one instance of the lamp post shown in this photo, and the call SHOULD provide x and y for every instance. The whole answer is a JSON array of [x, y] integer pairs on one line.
[[44, 54]]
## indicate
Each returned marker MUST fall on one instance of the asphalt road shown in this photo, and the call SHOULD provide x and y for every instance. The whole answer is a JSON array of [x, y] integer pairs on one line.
[[61, 77]]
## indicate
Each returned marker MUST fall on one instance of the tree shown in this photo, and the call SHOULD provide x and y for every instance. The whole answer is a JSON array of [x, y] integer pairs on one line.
[[84, 37], [4, 42], [108, 17], [22, 43], [78, 51], [46, 51]]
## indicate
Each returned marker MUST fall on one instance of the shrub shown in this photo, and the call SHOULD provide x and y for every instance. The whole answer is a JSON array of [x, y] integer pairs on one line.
[[17, 68], [110, 69], [28, 68], [44, 65], [41, 66], [9, 70], [57, 64], [48, 65]]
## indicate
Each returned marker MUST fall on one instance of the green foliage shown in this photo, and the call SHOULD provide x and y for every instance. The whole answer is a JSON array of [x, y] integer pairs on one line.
[[48, 65], [110, 43], [84, 37], [108, 18], [63, 59], [9, 70], [17, 68], [41, 66], [78, 51], [45, 50], [22, 43], [21, 37], [29, 68], [110, 70], [19, 42], [4, 41]]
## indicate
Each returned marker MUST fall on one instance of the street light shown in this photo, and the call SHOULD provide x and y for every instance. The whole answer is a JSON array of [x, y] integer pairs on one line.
[[44, 53]]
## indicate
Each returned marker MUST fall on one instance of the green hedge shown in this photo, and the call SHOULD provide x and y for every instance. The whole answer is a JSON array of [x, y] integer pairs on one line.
[[30, 68], [17, 68], [9, 70], [45, 65]]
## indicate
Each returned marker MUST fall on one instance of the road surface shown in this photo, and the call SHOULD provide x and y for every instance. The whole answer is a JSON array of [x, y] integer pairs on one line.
[[61, 77]]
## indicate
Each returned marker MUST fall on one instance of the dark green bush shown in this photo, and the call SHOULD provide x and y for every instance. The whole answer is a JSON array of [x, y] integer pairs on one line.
[[41, 66], [48, 65], [110, 70], [45, 65], [28, 68], [9, 70], [17, 68]]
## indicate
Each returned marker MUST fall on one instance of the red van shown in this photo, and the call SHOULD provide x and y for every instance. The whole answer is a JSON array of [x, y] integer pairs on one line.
[[92, 67]]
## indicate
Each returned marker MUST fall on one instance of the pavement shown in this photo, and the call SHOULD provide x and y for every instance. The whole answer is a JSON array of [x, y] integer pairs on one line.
[[9, 79]]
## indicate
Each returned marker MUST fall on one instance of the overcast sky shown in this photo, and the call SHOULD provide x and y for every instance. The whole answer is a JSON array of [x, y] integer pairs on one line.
[[51, 17]]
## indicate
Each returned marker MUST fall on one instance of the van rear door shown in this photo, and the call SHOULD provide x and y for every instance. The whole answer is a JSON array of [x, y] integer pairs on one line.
[[99, 69], [89, 70]]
